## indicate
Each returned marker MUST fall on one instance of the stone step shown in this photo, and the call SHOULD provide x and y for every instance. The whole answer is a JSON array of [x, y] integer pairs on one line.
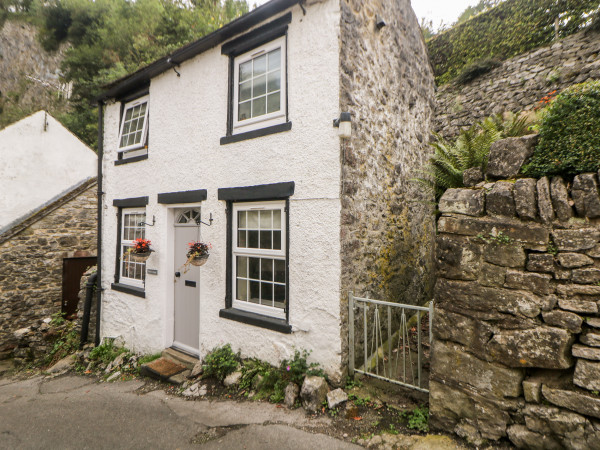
[[165, 370], [179, 357]]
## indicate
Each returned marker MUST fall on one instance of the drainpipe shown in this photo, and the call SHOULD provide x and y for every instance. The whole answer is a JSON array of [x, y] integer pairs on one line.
[[100, 211], [87, 306]]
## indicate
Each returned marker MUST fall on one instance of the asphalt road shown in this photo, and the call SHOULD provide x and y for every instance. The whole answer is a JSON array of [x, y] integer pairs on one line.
[[73, 412]]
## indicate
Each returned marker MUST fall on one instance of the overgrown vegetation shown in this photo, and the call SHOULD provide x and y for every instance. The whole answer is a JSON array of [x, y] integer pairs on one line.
[[476, 69], [418, 419], [471, 149], [221, 362], [66, 341], [569, 134], [111, 38], [506, 30]]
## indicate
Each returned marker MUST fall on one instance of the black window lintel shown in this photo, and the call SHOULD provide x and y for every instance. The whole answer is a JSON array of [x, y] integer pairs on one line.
[[198, 195], [135, 202], [273, 191]]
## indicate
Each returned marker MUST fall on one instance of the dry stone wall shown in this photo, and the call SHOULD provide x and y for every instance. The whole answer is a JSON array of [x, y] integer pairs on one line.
[[516, 351], [519, 83], [387, 226], [31, 260]]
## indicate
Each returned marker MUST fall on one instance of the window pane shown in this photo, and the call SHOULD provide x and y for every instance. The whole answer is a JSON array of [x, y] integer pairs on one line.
[[277, 240], [126, 127], [128, 114], [265, 219], [259, 86], [265, 239], [242, 290], [266, 294], [241, 219], [242, 238], [253, 239], [273, 102], [279, 296], [242, 266], [274, 81], [244, 111], [254, 268], [245, 71], [143, 109], [260, 65], [253, 219], [245, 91], [274, 59], [259, 106], [280, 271], [277, 219], [266, 270], [254, 292]]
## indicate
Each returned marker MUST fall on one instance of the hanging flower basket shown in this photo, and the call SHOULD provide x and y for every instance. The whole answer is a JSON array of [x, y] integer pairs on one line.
[[140, 257], [199, 260]]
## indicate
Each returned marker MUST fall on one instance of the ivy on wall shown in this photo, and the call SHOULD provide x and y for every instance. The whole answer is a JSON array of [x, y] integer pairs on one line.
[[511, 28]]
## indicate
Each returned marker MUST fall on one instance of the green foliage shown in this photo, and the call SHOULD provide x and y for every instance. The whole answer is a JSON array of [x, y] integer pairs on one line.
[[471, 11], [417, 419], [106, 352], [145, 359], [221, 362], [66, 341], [498, 239], [297, 368], [569, 134], [476, 69], [506, 30], [471, 149]]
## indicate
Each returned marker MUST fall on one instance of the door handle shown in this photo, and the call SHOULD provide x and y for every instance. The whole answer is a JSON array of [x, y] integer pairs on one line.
[[178, 274]]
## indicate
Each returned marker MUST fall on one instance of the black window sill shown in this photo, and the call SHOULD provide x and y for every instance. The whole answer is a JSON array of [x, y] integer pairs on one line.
[[130, 160], [138, 292], [287, 126], [256, 319]]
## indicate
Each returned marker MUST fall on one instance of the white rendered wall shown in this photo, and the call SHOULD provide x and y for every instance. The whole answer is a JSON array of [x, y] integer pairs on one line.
[[37, 165], [187, 119]]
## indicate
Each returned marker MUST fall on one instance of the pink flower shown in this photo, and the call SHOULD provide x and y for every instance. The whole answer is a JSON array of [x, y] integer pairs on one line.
[[288, 368]]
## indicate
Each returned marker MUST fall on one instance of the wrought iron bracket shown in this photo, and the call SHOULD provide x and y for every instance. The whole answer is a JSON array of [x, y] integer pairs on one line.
[[198, 221]]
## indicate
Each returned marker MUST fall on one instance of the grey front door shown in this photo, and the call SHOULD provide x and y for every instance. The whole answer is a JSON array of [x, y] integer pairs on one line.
[[187, 283]]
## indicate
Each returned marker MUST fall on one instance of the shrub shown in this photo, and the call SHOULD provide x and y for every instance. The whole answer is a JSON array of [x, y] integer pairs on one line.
[[569, 134], [221, 362]]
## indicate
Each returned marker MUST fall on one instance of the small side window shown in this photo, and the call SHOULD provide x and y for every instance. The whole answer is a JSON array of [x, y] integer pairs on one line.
[[133, 133]]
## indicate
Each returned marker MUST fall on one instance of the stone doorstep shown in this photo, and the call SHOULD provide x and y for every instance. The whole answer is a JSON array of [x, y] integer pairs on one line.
[[180, 357]]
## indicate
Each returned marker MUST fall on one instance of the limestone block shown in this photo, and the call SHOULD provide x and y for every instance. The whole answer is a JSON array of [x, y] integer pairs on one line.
[[508, 155], [525, 193], [233, 379], [491, 275], [593, 322], [463, 201], [582, 351], [575, 401], [532, 390], [450, 362], [336, 398], [534, 282], [570, 290], [587, 375], [543, 262], [314, 392], [594, 252], [522, 437], [472, 333], [506, 255], [292, 390], [543, 347], [586, 276], [576, 240], [585, 195], [472, 176], [578, 306], [532, 236], [560, 199], [574, 260], [457, 258], [563, 319], [500, 201], [545, 208]]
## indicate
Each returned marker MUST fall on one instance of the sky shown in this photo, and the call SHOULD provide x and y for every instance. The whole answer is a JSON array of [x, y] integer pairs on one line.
[[434, 10]]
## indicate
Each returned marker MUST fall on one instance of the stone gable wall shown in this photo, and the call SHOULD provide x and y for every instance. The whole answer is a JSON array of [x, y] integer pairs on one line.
[[386, 224], [519, 83], [31, 263], [516, 351]]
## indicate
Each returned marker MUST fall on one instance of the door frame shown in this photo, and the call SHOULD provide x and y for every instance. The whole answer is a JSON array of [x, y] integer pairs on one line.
[[168, 269]]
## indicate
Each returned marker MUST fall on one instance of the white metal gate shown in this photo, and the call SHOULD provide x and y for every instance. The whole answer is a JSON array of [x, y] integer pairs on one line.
[[386, 338]]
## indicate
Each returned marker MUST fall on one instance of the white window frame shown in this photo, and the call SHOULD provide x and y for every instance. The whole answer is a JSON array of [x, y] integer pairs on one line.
[[142, 145], [269, 119], [254, 252], [127, 242]]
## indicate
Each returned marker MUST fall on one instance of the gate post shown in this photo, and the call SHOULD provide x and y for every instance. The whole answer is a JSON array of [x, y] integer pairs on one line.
[[351, 334]]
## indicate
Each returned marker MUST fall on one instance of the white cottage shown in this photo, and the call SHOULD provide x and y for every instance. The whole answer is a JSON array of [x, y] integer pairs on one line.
[[231, 140]]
